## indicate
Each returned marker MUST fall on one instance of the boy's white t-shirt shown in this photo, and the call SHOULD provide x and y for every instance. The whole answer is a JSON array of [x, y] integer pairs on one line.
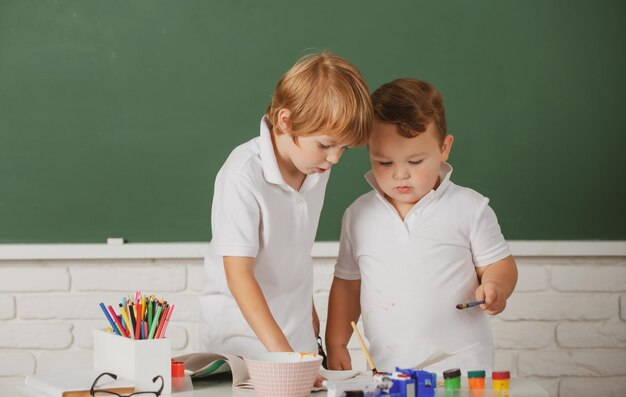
[[415, 271], [256, 214]]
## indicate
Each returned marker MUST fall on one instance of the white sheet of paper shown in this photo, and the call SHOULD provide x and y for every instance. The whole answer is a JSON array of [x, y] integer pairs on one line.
[[440, 355]]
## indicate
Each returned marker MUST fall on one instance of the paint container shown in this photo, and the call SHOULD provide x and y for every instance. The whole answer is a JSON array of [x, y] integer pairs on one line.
[[476, 380], [500, 380], [452, 378]]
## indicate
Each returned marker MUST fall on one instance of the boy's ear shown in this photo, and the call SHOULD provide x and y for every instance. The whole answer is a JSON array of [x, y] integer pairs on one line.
[[283, 120], [446, 147]]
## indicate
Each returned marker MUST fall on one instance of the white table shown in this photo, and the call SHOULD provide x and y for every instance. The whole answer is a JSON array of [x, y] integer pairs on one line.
[[220, 386]]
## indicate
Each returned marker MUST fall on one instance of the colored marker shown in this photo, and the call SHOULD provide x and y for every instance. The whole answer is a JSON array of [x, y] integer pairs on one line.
[[157, 334], [167, 321], [144, 307], [132, 314], [109, 319], [117, 321], [156, 320], [462, 306], [139, 310], [150, 312], [130, 326]]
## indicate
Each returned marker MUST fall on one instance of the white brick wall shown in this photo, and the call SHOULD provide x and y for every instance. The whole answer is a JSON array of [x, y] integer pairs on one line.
[[16, 363], [565, 326], [31, 276], [7, 307]]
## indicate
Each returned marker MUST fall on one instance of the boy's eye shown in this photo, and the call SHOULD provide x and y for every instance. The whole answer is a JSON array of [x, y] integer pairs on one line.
[[384, 163], [415, 162], [321, 146]]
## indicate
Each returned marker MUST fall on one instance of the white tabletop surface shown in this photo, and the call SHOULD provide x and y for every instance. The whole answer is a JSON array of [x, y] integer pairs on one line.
[[221, 386]]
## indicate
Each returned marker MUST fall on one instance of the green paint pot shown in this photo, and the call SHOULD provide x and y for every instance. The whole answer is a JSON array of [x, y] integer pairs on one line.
[[452, 378]]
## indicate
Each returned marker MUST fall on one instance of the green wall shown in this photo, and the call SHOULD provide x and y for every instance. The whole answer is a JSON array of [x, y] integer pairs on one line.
[[115, 116]]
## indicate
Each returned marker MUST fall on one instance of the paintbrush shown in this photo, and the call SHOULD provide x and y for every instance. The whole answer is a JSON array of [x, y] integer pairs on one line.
[[367, 353], [462, 306]]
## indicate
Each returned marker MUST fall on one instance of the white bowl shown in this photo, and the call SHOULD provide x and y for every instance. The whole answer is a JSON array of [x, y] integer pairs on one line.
[[283, 374]]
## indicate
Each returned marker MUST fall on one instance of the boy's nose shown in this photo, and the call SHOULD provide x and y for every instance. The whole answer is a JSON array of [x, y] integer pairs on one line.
[[333, 157], [401, 173]]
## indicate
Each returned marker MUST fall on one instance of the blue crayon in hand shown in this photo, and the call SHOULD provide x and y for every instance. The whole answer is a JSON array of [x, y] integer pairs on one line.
[[462, 306]]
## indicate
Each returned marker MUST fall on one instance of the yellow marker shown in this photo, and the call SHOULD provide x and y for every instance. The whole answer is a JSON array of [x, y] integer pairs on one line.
[[129, 325]]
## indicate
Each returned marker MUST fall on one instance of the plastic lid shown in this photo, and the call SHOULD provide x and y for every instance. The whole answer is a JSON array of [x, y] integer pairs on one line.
[[178, 369], [451, 373], [475, 374], [501, 375]]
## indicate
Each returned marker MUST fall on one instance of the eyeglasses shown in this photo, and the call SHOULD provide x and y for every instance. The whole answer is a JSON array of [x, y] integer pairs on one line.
[[321, 352], [106, 393]]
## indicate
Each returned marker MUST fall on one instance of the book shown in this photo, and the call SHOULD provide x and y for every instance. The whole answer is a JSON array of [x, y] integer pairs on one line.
[[203, 364], [76, 383]]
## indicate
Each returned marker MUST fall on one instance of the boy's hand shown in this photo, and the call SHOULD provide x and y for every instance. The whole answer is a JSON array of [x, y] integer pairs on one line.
[[497, 282], [339, 359], [494, 296], [318, 381]]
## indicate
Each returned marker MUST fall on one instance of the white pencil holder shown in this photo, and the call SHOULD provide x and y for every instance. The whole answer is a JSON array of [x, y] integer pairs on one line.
[[138, 360]]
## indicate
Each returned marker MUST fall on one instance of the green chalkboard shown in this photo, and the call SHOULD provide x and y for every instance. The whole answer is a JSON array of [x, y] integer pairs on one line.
[[116, 115]]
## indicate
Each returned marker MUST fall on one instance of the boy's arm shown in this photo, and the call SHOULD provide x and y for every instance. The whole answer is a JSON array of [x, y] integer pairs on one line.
[[497, 282], [316, 322], [344, 306], [249, 296]]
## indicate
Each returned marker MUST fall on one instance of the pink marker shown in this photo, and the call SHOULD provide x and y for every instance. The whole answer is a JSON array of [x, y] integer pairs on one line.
[[159, 330], [117, 321], [167, 320]]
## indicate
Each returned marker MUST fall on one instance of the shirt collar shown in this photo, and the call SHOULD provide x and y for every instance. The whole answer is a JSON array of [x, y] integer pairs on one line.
[[271, 172], [444, 175]]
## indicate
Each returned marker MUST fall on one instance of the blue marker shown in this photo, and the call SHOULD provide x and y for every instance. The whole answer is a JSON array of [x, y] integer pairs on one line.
[[108, 316]]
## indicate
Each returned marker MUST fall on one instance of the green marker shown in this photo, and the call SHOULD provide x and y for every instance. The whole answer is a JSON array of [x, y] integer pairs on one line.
[[150, 313], [155, 320]]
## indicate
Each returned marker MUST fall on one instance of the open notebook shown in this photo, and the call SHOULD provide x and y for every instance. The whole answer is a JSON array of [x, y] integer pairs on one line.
[[206, 364]]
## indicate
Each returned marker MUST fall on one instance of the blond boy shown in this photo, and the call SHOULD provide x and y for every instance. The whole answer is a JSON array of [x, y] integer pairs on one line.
[[258, 275]]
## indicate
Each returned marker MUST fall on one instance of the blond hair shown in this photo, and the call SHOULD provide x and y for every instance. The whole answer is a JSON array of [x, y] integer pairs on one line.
[[325, 94]]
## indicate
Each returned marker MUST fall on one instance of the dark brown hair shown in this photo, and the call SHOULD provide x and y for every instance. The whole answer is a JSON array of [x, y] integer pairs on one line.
[[411, 105]]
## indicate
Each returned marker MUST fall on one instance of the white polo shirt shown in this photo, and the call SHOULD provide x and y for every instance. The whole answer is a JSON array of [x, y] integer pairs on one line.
[[256, 214], [415, 271]]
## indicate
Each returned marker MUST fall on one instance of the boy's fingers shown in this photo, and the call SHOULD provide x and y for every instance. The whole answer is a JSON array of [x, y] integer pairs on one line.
[[480, 293], [491, 296]]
